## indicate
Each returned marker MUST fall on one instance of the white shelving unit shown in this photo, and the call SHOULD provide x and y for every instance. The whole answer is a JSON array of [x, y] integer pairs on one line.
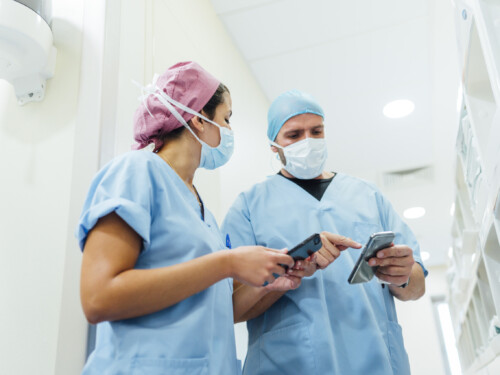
[[474, 272]]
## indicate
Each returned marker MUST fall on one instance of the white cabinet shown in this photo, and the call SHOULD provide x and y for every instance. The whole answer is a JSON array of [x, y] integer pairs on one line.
[[474, 273]]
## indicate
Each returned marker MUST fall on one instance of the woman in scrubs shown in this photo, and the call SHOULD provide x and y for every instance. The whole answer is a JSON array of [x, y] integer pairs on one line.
[[154, 278]]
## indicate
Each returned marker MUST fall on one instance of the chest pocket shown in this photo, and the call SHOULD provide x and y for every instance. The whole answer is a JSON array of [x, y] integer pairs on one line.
[[362, 231]]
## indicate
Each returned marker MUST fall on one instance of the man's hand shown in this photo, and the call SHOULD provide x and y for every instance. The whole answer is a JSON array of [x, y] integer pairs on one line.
[[293, 277], [333, 244], [394, 264], [283, 283]]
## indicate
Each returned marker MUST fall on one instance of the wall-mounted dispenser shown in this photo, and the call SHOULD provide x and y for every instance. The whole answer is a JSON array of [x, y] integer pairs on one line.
[[27, 54]]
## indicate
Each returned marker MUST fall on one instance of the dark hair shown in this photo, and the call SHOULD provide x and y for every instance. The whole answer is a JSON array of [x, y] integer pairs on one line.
[[216, 99], [209, 109]]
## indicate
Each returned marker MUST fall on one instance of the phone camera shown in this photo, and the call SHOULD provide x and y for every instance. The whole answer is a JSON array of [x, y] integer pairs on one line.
[[316, 240]]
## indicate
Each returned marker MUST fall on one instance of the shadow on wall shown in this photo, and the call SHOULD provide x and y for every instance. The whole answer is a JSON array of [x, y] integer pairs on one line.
[[34, 123]]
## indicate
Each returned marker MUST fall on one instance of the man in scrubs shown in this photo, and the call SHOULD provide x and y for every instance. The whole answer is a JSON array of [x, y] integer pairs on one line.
[[326, 326]]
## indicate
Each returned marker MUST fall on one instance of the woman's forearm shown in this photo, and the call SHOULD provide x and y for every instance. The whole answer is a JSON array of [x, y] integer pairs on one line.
[[137, 292]]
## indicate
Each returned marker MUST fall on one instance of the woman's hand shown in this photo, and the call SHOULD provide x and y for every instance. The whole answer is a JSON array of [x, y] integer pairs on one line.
[[293, 277], [257, 265], [333, 244]]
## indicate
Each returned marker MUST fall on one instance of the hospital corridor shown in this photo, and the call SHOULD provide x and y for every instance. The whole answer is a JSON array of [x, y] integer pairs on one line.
[[256, 187]]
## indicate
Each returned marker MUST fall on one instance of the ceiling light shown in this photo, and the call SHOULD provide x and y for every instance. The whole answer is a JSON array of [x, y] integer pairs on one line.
[[398, 108], [414, 212], [425, 255], [452, 209], [450, 252]]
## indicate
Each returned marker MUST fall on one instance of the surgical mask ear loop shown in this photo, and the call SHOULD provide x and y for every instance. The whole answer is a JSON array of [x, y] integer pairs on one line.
[[280, 153], [274, 163]]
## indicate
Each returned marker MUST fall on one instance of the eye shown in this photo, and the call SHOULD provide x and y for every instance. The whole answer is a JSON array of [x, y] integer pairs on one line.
[[293, 135], [227, 121]]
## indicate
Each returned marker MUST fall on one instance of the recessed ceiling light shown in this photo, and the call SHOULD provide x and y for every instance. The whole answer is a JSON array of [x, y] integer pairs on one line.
[[414, 212], [425, 255], [398, 108]]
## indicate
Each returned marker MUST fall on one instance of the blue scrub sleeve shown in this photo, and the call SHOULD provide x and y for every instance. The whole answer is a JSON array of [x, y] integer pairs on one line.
[[124, 186], [404, 235], [237, 224]]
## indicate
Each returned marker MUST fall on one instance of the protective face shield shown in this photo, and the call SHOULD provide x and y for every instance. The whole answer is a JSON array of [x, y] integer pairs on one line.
[[211, 157], [304, 159]]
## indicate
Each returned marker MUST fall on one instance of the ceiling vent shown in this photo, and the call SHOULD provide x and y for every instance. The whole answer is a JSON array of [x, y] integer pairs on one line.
[[407, 178]]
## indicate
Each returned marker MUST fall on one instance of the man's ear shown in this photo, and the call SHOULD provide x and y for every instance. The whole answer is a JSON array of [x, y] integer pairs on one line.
[[274, 149]]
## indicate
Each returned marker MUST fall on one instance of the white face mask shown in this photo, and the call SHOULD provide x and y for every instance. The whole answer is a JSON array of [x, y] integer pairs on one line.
[[211, 157], [305, 159]]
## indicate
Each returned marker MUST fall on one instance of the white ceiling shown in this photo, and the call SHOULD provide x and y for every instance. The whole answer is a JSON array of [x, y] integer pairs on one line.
[[354, 57]]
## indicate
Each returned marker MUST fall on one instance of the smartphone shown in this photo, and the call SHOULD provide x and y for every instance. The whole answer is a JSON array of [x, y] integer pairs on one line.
[[306, 248], [362, 271]]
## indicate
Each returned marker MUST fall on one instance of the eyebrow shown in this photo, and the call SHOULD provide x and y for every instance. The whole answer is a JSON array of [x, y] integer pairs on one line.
[[293, 131], [316, 127]]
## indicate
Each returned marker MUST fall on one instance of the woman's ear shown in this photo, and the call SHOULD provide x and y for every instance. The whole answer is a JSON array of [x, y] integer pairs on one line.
[[197, 125]]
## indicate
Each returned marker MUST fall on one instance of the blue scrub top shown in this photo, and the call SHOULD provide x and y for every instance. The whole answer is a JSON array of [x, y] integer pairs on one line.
[[326, 326], [194, 336]]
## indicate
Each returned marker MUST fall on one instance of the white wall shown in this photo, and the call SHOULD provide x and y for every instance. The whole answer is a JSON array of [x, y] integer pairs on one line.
[[36, 158], [419, 327], [89, 119], [49, 152], [420, 331]]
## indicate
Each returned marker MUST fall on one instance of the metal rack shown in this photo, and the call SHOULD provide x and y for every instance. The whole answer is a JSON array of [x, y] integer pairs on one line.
[[474, 272]]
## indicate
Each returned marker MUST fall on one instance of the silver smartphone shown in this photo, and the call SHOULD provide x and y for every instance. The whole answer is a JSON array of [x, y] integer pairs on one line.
[[362, 271]]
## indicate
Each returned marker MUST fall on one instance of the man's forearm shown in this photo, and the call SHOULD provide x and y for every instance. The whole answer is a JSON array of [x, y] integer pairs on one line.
[[415, 288], [249, 302]]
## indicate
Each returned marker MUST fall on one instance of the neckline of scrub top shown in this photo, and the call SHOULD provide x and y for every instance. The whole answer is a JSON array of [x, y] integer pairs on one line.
[[316, 186], [289, 181], [179, 181]]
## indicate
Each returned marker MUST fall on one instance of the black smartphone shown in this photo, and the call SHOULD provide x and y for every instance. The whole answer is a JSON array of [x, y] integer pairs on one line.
[[362, 271], [306, 248]]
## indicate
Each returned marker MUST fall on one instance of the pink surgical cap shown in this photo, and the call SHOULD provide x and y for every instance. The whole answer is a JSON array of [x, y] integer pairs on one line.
[[185, 82]]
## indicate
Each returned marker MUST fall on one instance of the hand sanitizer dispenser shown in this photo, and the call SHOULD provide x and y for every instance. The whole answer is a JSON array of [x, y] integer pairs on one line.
[[27, 54]]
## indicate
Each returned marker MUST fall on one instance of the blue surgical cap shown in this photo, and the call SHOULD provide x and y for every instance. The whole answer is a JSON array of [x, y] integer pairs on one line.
[[288, 105]]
